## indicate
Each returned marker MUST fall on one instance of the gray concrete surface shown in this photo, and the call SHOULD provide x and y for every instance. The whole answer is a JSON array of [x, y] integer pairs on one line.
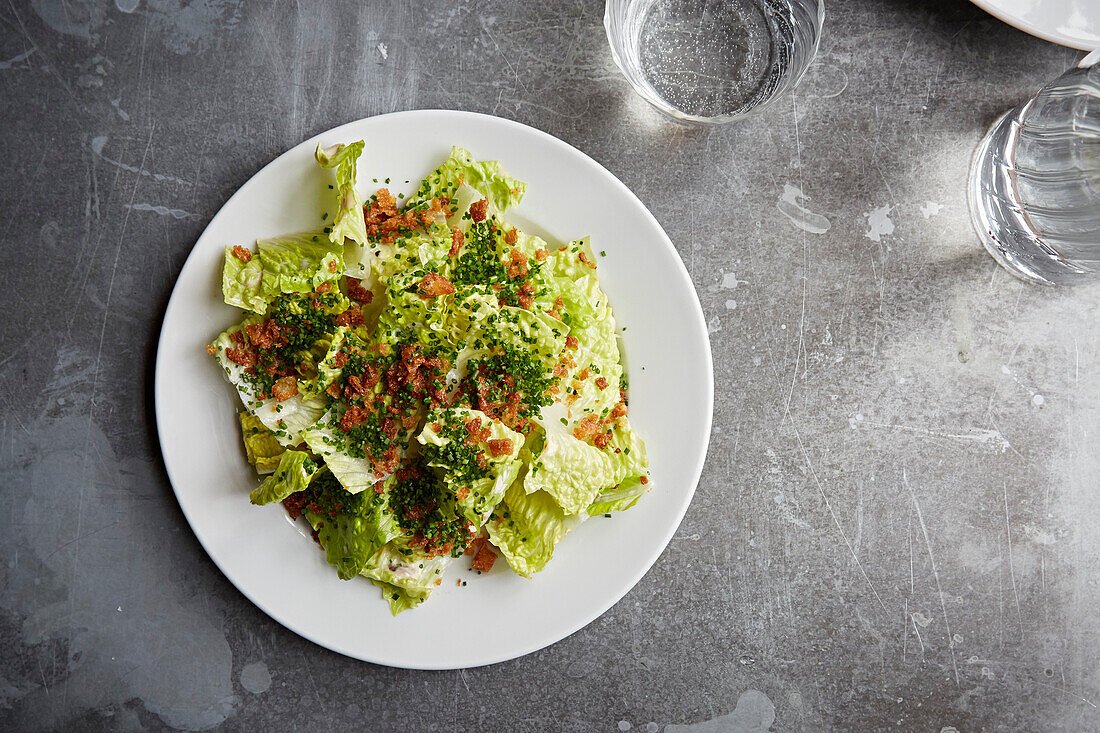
[[897, 524]]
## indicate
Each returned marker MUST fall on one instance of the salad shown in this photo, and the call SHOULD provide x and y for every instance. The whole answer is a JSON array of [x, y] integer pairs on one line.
[[421, 379]]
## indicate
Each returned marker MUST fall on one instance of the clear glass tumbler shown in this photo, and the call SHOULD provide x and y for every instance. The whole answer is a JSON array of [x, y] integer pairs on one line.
[[712, 61], [1034, 191]]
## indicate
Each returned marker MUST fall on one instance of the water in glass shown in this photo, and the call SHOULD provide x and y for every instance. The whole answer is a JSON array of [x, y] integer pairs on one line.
[[712, 60], [1034, 189]]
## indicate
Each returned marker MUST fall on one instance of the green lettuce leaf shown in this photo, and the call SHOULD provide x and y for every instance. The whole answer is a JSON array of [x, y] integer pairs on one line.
[[407, 568], [619, 498], [462, 198], [571, 471], [487, 177], [398, 598], [613, 481], [359, 260], [293, 475], [475, 490], [349, 222], [351, 527], [597, 353], [566, 262], [260, 444], [241, 283], [575, 472], [530, 331], [326, 373], [496, 328], [356, 474], [469, 312], [527, 527], [285, 419], [423, 249], [298, 263], [409, 318]]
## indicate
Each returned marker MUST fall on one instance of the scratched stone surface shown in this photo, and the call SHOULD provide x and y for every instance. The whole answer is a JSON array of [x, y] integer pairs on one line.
[[897, 524]]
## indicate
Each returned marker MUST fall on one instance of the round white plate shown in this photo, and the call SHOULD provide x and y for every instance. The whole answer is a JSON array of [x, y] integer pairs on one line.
[[497, 616], [1074, 23]]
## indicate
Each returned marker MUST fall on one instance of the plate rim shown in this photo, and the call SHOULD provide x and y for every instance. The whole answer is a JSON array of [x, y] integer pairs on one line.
[[1061, 39], [657, 548]]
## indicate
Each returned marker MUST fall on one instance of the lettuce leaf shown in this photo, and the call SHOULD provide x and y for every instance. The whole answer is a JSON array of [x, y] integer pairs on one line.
[[529, 331], [298, 263], [351, 527], [356, 474], [571, 471], [527, 527], [398, 598], [449, 452], [285, 419], [408, 569], [488, 177], [325, 373], [566, 262], [597, 353], [574, 472], [619, 498], [407, 317], [349, 222], [241, 283], [293, 475], [261, 446]]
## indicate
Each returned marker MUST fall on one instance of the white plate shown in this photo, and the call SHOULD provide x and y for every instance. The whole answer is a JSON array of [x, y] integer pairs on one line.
[[1074, 23], [500, 615]]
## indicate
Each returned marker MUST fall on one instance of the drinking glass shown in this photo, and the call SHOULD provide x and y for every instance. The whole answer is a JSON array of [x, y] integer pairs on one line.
[[1034, 190], [712, 61]]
